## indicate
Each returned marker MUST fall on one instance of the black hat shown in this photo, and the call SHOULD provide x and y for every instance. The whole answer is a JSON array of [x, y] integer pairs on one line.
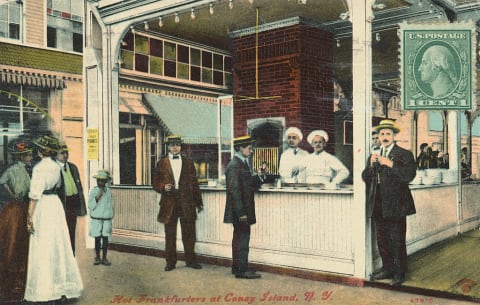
[[243, 141], [19, 147], [62, 147], [173, 139]]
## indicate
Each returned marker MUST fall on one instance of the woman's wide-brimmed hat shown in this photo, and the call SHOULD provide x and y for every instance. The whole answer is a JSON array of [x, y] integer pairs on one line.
[[102, 174], [47, 142], [19, 147], [387, 124]]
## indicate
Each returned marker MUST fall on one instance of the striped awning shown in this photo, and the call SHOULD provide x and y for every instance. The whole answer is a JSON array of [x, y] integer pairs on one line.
[[34, 79], [132, 103], [195, 121]]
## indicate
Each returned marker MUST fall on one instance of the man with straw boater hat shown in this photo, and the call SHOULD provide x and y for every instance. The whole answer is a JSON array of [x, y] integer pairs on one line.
[[174, 177], [241, 183], [389, 201]]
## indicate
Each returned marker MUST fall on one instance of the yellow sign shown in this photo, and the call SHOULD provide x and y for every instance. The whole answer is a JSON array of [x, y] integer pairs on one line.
[[92, 143]]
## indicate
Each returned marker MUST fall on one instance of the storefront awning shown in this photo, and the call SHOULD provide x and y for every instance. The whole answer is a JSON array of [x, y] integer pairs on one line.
[[132, 103], [195, 121], [31, 79]]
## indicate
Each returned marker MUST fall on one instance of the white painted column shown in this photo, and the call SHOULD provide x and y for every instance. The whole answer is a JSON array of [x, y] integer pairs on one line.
[[361, 17]]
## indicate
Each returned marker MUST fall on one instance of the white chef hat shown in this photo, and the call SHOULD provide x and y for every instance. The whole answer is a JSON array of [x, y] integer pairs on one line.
[[294, 130], [315, 133]]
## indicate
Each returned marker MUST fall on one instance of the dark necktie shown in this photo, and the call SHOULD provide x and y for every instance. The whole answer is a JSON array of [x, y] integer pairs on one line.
[[295, 151], [65, 167], [176, 157]]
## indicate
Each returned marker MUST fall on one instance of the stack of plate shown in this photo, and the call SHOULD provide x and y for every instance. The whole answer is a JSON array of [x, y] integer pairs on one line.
[[449, 176], [432, 176]]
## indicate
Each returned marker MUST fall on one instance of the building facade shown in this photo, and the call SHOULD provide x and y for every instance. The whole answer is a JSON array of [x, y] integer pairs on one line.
[[41, 84]]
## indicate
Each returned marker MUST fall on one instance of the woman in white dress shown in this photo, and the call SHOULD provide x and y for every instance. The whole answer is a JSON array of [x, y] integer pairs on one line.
[[53, 271]]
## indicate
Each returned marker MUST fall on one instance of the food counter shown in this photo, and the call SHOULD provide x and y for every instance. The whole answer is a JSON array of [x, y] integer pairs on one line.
[[297, 227]]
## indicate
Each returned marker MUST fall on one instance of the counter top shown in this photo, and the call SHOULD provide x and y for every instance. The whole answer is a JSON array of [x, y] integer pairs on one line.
[[342, 189]]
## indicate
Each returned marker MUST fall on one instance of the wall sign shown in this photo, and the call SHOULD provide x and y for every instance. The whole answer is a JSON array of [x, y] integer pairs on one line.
[[92, 143]]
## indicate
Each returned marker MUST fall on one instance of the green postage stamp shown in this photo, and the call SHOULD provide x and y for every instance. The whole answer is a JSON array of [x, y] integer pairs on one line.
[[437, 66]]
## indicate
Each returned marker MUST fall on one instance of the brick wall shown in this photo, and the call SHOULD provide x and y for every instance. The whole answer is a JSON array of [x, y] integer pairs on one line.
[[294, 78]]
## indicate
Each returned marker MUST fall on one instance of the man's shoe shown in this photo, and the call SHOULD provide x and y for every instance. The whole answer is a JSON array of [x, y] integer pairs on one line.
[[97, 261], [398, 280], [382, 274], [194, 265], [248, 275], [169, 267], [106, 262]]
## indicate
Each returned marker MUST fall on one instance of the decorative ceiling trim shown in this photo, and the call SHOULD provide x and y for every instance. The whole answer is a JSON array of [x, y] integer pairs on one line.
[[277, 25]]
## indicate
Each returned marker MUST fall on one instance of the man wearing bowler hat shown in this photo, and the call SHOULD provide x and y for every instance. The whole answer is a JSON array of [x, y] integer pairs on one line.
[[389, 201], [241, 183], [174, 177]]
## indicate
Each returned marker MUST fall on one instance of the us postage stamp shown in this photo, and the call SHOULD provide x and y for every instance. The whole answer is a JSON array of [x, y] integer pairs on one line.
[[437, 66]]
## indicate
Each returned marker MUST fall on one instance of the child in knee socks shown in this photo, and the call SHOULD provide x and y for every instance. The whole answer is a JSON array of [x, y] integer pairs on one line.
[[100, 205]]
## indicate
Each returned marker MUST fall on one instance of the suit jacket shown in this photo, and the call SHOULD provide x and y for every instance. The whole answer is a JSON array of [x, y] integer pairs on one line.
[[189, 193], [241, 186], [81, 209], [395, 195]]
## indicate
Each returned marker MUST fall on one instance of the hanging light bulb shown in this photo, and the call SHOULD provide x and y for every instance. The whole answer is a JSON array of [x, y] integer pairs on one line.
[[146, 26], [177, 18], [160, 21], [251, 1], [377, 36], [132, 29], [230, 4], [211, 9], [192, 13], [338, 43]]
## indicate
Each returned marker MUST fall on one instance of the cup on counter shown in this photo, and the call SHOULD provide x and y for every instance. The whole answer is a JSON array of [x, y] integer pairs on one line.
[[278, 183]]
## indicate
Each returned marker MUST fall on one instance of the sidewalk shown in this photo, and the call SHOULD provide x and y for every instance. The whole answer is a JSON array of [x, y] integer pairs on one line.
[[140, 279]]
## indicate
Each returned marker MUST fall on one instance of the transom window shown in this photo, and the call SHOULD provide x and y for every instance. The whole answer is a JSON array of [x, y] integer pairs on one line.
[[170, 59]]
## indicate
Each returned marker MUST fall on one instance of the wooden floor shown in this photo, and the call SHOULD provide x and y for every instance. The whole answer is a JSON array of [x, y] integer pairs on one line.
[[451, 268]]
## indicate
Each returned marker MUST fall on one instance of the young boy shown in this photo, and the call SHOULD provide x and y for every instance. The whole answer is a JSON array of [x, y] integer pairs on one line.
[[100, 204]]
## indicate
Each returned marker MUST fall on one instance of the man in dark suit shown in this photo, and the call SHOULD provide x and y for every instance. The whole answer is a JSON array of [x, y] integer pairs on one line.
[[241, 184], [71, 192], [389, 201], [174, 177]]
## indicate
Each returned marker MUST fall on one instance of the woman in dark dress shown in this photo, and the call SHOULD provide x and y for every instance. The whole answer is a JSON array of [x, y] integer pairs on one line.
[[14, 237]]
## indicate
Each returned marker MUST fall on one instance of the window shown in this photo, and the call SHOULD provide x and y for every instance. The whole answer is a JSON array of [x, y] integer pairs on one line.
[[65, 25], [143, 53], [11, 20], [137, 145]]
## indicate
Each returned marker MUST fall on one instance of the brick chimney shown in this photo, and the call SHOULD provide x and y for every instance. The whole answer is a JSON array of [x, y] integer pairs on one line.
[[295, 70]]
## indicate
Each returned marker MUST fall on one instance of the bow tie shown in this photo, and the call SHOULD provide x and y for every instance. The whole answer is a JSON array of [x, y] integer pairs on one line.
[[175, 157]]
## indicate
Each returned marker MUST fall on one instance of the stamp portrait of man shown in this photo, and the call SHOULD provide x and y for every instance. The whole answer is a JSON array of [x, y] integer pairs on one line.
[[438, 70]]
